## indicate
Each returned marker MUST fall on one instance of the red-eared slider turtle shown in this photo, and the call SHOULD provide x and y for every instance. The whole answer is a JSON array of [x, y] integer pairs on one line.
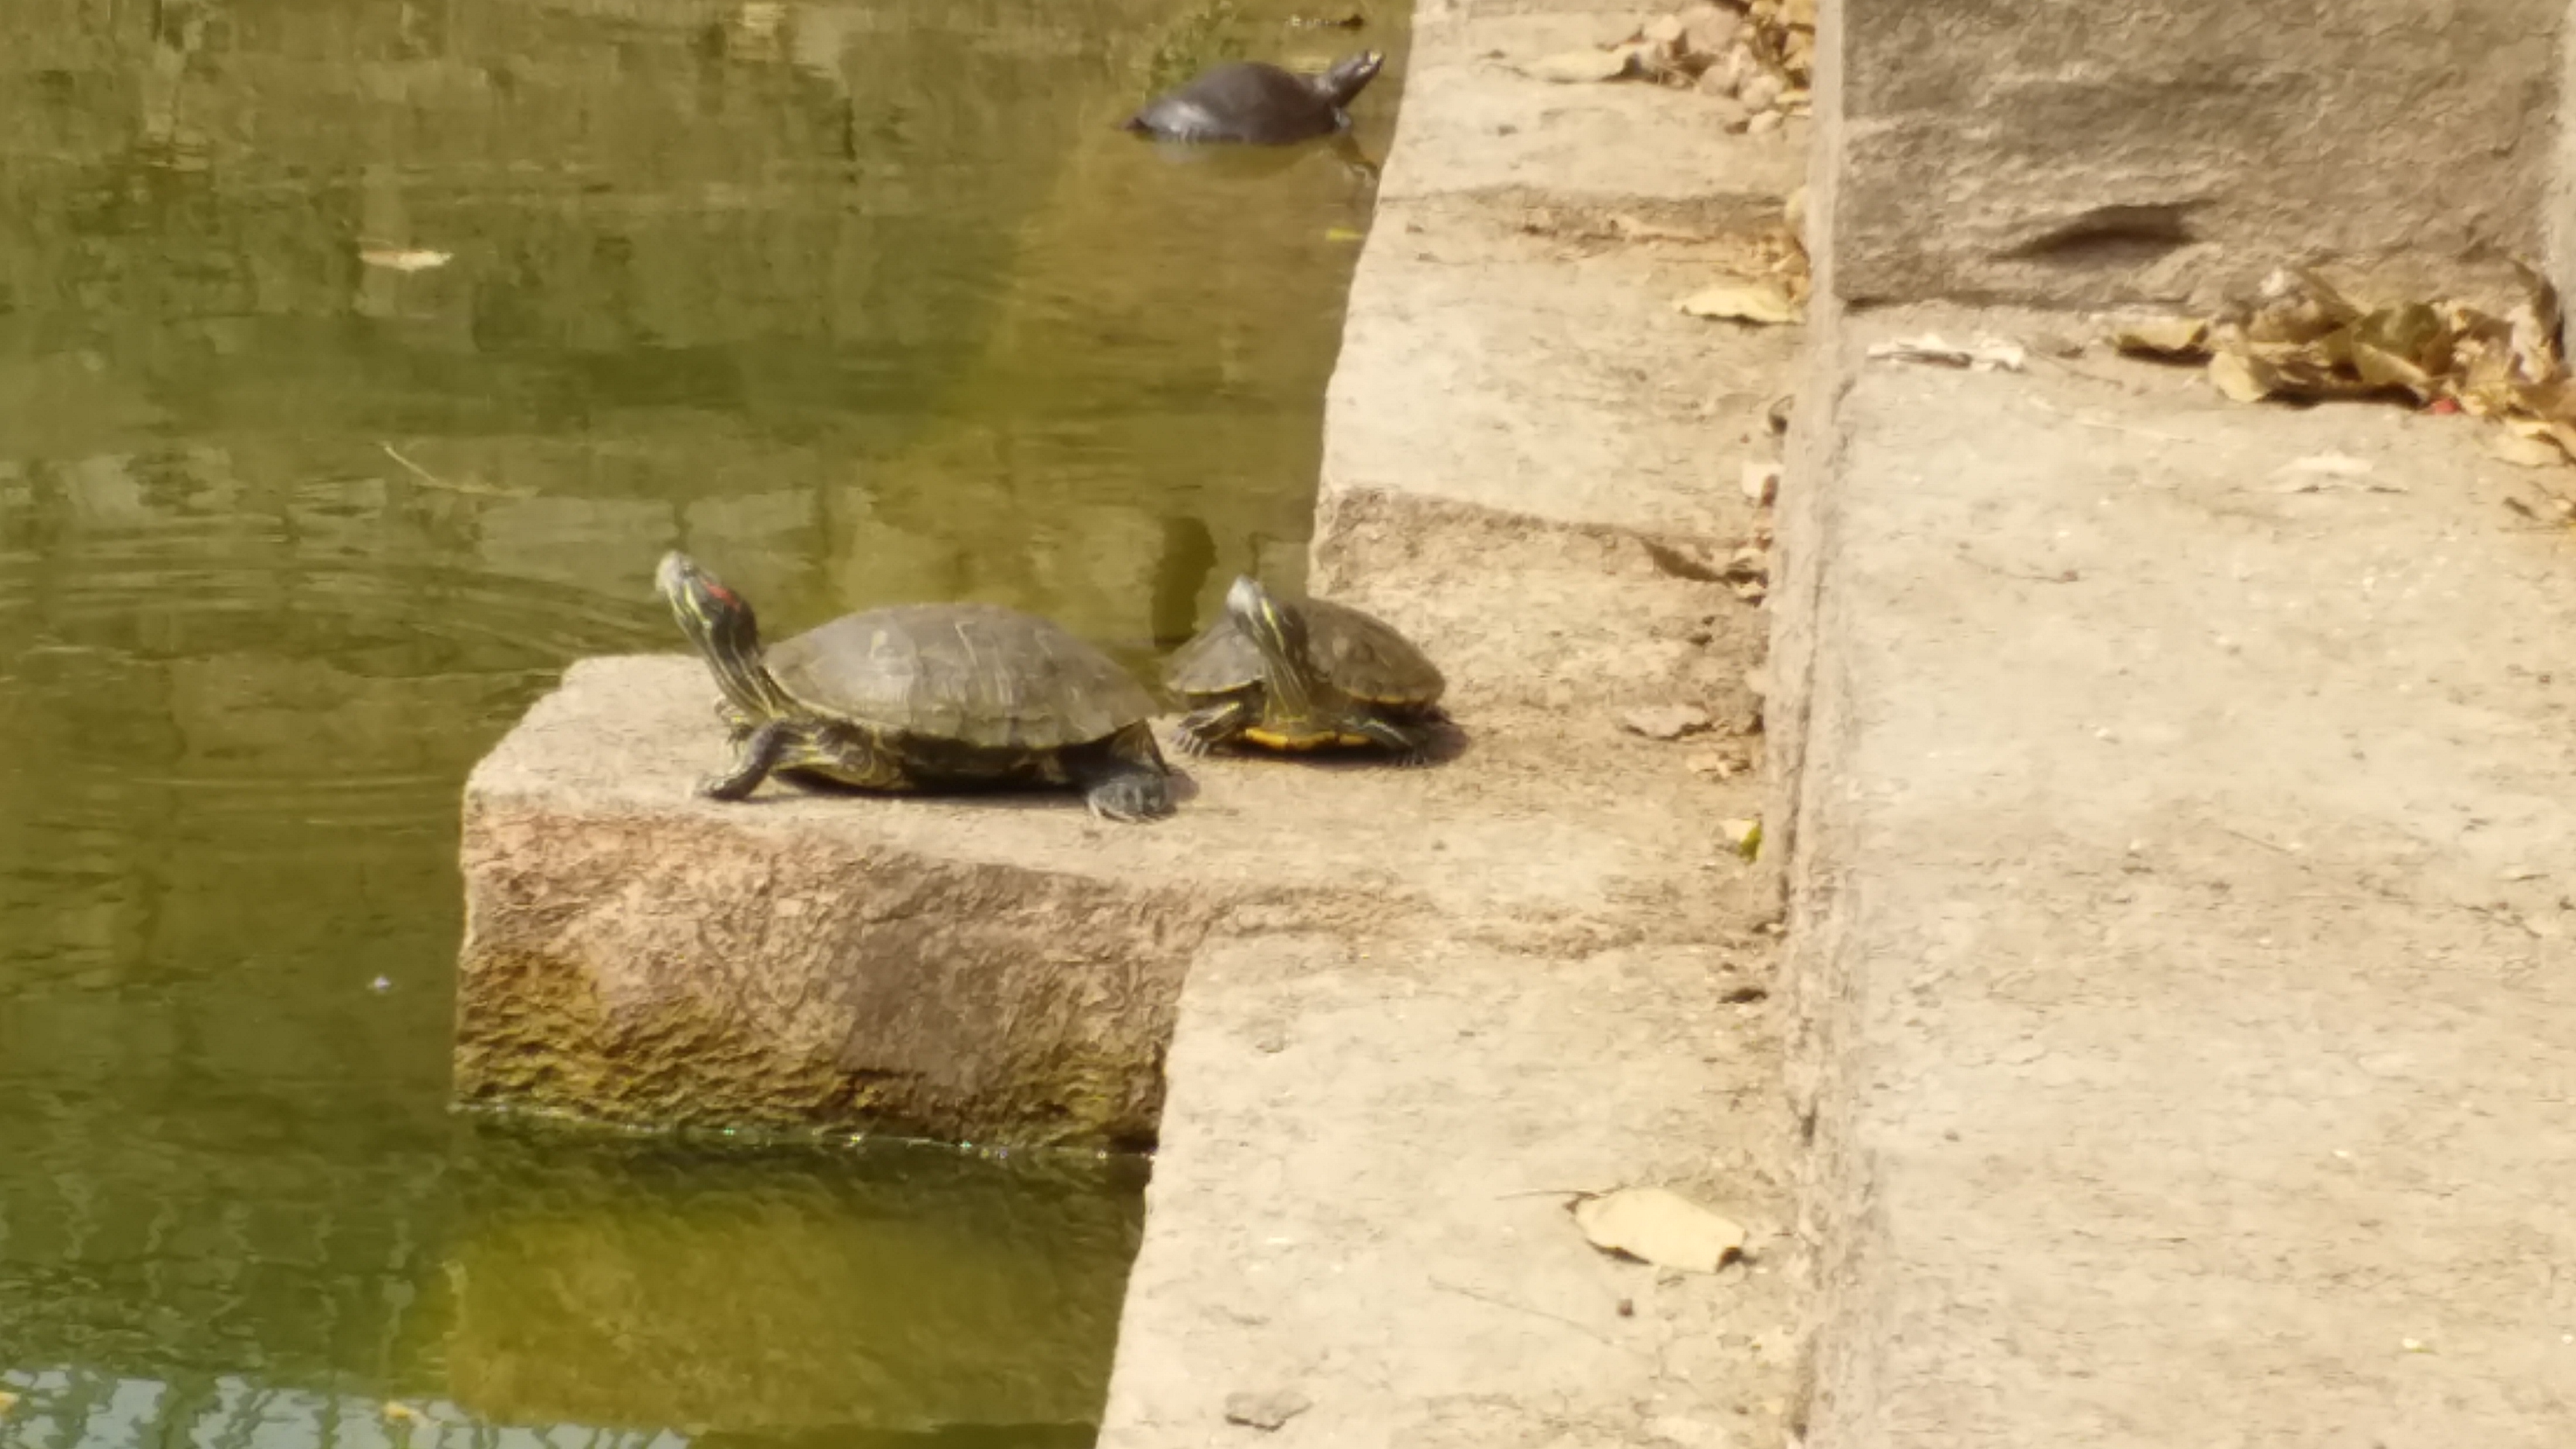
[[922, 697], [1250, 100], [1304, 676]]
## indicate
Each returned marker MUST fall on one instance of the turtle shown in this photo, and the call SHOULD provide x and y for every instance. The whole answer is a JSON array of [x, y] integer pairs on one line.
[[1304, 676], [1257, 102], [922, 697]]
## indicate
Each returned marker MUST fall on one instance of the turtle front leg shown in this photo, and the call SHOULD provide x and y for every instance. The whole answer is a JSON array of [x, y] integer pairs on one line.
[[1127, 781], [757, 754], [1201, 731], [738, 725], [1411, 745]]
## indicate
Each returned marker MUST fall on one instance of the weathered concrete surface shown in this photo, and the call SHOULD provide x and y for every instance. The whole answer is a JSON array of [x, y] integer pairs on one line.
[[1475, 123], [1533, 465], [1363, 1187], [2090, 154], [2180, 918], [984, 969]]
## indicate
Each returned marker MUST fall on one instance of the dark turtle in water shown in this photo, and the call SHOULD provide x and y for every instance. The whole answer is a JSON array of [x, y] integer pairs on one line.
[[1304, 676], [922, 697], [1250, 100]]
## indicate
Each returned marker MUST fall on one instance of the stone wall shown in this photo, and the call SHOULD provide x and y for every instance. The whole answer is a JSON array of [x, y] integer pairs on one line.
[[2089, 154]]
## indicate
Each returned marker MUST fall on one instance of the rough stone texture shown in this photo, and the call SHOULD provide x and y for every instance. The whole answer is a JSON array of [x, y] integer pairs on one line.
[[1453, 331], [2089, 154], [1532, 464], [1001, 968], [2180, 917], [1395, 1242], [1473, 122]]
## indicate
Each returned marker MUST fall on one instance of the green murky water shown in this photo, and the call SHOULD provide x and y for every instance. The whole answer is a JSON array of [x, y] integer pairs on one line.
[[357, 358]]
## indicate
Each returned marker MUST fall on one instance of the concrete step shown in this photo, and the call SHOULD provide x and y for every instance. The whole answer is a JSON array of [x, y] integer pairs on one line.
[[1533, 464], [2181, 914], [1363, 1190], [1002, 968], [1473, 121], [1493, 361]]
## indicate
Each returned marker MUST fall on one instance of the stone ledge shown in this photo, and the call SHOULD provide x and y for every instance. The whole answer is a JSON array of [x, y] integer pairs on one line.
[[1570, 393], [1579, 625], [2183, 1032], [1001, 968], [1363, 1194], [1471, 121]]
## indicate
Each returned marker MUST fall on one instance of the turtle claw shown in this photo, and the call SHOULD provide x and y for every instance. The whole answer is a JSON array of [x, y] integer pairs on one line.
[[1130, 799]]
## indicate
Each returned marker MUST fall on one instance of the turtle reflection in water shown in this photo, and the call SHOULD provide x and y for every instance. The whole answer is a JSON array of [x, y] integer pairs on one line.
[[1304, 676], [922, 697], [1255, 102]]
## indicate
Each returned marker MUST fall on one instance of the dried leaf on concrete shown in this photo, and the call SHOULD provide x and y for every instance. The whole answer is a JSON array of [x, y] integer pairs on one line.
[[2165, 337], [2239, 377], [1744, 835], [1661, 1227], [1743, 300], [1986, 356], [2525, 450], [2303, 339]]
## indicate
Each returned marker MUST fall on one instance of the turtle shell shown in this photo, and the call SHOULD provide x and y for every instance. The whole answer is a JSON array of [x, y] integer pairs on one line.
[[1355, 652], [976, 674], [1243, 100]]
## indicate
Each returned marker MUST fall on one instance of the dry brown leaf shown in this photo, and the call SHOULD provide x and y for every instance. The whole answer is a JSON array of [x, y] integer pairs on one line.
[[1763, 303], [2525, 450], [2164, 337], [2303, 339], [2405, 346], [1660, 1227], [2237, 376]]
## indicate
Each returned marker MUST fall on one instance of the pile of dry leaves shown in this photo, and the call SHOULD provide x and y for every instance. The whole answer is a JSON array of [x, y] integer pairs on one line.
[[2302, 339], [1755, 58]]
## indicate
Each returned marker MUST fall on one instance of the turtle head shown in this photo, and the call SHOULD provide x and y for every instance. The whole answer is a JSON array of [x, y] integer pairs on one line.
[[721, 624], [1342, 82], [1278, 631]]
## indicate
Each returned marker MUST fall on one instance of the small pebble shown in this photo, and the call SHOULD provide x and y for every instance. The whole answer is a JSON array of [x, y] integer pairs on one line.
[[1764, 124], [1760, 90], [381, 984], [1731, 112], [1266, 1412], [1710, 29]]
